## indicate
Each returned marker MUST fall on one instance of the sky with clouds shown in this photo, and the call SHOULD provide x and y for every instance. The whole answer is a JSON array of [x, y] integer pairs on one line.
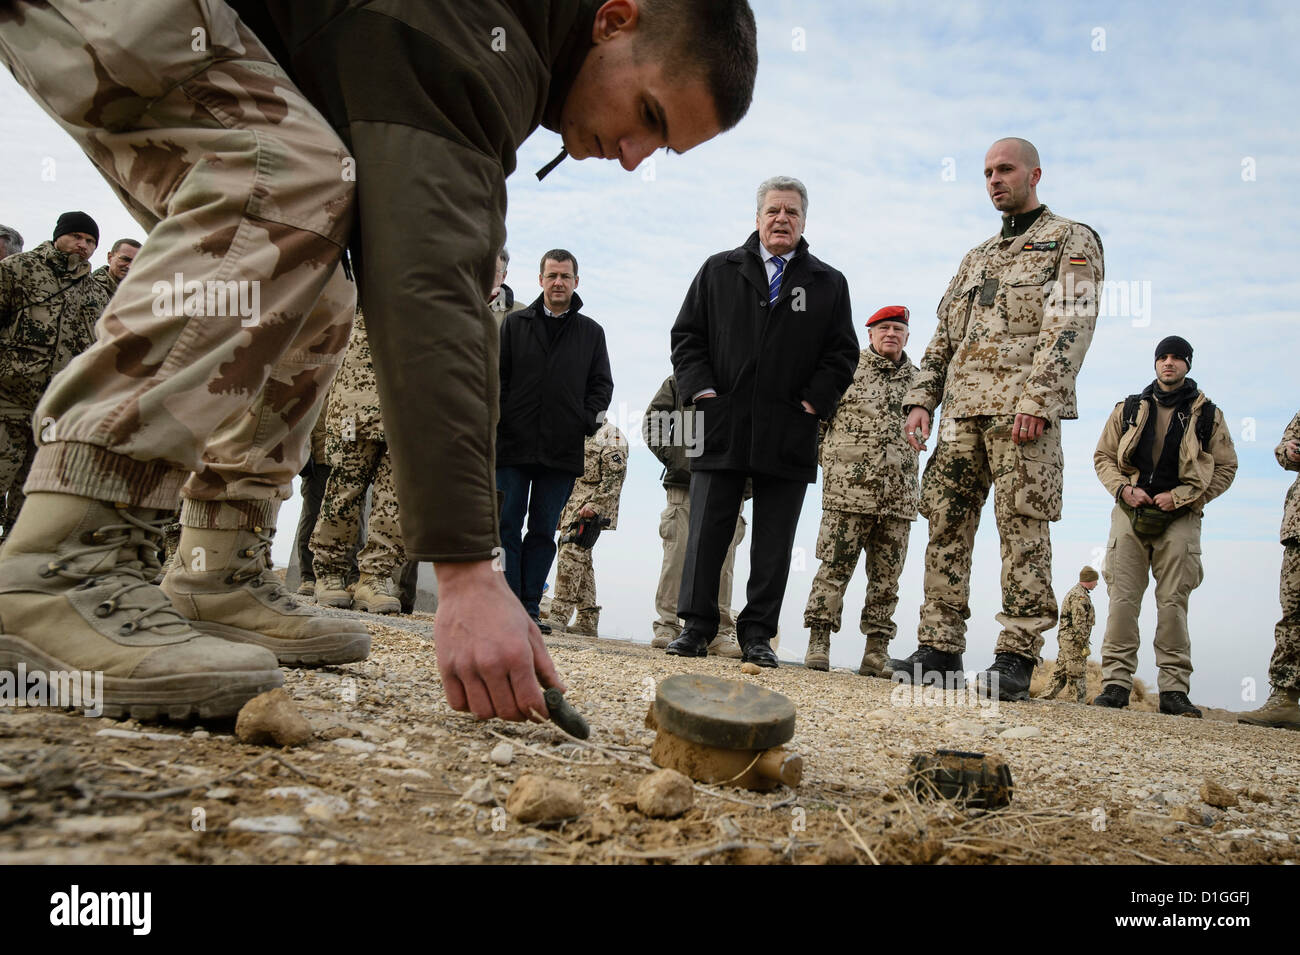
[[1166, 126]]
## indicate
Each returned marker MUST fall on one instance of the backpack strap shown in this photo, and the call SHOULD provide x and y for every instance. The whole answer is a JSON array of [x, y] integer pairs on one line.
[[1129, 418], [1205, 424]]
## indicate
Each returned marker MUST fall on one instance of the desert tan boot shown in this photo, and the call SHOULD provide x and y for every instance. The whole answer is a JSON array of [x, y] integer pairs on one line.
[[1281, 710], [725, 645], [375, 594], [222, 582], [586, 624], [331, 590], [875, 658], [818, 656], [76, 595]]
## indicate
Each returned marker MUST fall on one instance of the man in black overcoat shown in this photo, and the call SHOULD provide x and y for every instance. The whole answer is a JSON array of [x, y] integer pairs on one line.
[[763, 347]]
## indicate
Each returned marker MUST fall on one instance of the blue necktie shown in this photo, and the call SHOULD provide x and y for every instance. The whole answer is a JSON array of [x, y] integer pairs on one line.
[[774, 286]]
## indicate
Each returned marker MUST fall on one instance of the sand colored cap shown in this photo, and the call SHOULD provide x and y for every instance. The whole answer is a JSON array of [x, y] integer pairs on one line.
[[1087, 574]]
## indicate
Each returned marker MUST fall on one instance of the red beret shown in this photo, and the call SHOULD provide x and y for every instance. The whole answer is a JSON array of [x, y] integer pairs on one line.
[[890, 313]]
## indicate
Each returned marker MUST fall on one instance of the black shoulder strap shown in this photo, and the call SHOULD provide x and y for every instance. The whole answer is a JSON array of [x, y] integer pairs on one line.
[[1205, 424], [1131, 405]]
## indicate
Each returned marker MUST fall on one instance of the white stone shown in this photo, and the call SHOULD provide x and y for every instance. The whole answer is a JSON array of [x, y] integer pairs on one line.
[[100, 825], [1021, 732], [352, 745], [502, 754], [283, 825]]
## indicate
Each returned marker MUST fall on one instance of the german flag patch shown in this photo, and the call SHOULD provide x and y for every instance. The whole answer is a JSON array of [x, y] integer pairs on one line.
[[1078, 260]]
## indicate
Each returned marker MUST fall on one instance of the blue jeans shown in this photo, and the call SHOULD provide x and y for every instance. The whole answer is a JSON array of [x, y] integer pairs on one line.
[[540, 493]]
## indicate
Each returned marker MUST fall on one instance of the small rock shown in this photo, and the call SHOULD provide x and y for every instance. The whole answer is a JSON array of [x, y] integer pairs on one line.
[[284, 842], [965, 727], [527, 843], [1173, 798], [1275, 835], [881, 715], [339, 731], [271, 717], [1151, 821], [130, 734], [320, 811], [221, 792], [1190, 815], [1021, 732], [480, 793], [838, 852], [100, 825], [1258, 795], [665, 794], [536, 798], [282, 825], [200, 734], [1216, 795], [356, 745], [753, 669], [328, 844], [502, 754]]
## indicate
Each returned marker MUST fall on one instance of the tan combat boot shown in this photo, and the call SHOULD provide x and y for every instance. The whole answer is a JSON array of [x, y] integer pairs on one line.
[[1281, 711], [818, 656], [662, 638], [76, 595], [557, 615], [587, 623], [224, 585], [725, 645], [375, 594], [332, 591], [875, 658]]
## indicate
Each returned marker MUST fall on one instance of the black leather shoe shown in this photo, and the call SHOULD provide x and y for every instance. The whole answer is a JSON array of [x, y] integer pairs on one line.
[[920, 667], [1112, 696], [691, 643], [1012, 681], [544, 627], [1176, 703], [757, 651]]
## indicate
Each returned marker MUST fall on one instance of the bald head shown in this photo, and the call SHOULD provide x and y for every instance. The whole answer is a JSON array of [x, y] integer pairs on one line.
[[1028, 151], [1011, 174]]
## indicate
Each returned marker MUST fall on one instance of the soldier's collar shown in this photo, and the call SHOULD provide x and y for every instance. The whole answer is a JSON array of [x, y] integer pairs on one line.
[[1019, 223]]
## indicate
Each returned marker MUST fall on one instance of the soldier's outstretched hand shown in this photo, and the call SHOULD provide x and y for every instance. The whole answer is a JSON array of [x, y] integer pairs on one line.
[[490, 653], [917, 428]]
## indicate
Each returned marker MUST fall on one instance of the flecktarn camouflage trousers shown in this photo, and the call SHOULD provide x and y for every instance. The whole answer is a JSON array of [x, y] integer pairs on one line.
[[842, 537]]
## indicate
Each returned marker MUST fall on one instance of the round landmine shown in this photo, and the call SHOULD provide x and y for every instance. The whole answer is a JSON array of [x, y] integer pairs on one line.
[[731, 714]]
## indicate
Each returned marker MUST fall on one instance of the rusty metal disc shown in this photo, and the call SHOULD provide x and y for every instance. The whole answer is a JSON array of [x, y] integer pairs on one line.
[[730, 714]]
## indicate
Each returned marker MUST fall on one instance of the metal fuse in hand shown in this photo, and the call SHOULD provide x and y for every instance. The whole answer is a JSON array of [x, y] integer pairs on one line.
[[564, 715]]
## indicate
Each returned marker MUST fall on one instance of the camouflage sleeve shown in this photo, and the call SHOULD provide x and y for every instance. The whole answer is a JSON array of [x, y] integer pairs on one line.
[[1292, 433], [1105, 460], [927, 388], [1089, 617], [613, 469], [8, 297], [1069, 319], [1225, 466]]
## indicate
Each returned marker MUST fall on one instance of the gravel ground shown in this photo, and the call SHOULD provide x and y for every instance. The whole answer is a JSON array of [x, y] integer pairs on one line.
[[392, 775]]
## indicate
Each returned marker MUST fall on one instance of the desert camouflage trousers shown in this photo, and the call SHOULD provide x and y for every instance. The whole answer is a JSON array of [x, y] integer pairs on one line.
[[356, 465], [575, 584], [16, 452], [974, 454], [842, 537], [1071, 665], [1284, 667], [215, 354]]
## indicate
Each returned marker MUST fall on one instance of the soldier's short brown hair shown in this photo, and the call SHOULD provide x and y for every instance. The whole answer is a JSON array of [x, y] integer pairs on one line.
[[715, 40], [121, 242]]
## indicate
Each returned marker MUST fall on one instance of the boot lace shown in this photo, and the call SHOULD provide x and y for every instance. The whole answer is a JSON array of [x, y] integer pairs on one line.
[[256, 572], [152, 608]]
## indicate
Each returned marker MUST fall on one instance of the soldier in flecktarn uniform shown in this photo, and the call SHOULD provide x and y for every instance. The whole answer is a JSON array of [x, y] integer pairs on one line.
[[1014, 327], [357, 451], [49, 303], [1072, 635], [869, 496], [594, 498]]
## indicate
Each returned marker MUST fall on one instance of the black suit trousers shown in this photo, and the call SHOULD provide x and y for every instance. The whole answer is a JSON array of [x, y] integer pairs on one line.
[[716, 497]]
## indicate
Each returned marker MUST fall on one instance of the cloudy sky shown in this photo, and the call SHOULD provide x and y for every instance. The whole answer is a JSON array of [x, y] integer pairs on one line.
[[1168, 127]]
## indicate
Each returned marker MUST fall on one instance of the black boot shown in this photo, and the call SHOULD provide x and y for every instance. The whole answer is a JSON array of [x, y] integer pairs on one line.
[[926, 661], [1012, 681], [691, 643], [757, 650], [1113, 696], [1176, 703]]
